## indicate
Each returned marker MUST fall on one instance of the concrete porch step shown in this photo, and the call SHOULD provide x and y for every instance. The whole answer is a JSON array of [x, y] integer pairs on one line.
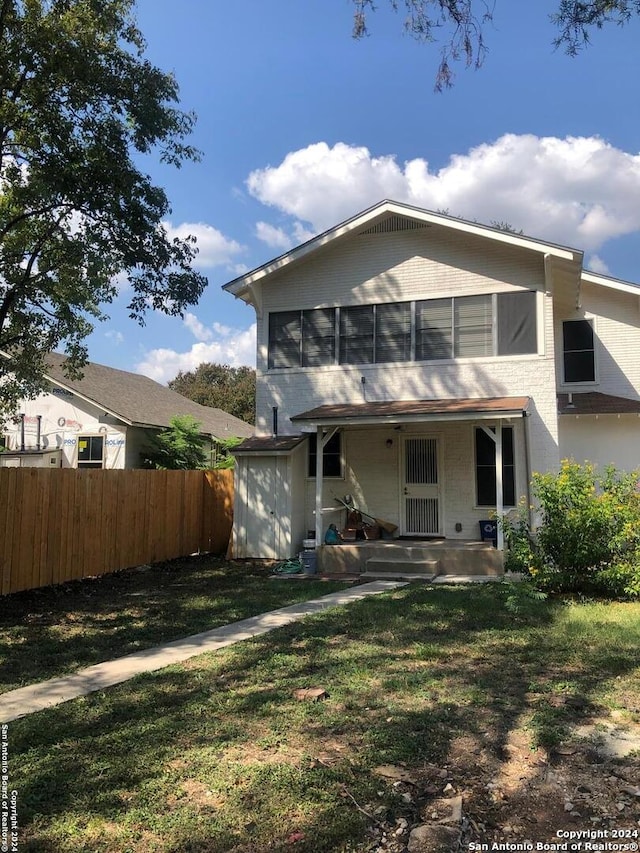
[[397, 564], [398, 576]]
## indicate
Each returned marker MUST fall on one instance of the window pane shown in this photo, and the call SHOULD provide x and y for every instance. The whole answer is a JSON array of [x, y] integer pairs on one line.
[[433, 329], [393, 332], [331, 458], [284, 339], [356, 335], [579, 353], [517, 323], [472, 326], [318, 337]]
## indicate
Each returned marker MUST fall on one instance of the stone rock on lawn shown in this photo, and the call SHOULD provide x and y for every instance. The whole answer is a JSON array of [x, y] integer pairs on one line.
[[428, 838]]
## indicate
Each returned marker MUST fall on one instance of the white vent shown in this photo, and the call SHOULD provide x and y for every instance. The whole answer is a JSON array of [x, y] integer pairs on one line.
[[395, 223]]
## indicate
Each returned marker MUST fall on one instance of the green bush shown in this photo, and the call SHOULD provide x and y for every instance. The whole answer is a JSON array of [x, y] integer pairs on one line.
[[589, 537]]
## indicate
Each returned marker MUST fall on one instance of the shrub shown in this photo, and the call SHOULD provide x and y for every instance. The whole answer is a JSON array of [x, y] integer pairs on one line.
[[589, 537]]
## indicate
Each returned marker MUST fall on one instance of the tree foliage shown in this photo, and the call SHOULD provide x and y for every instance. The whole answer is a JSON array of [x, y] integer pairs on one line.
[[78, 102], [232, 389], [179, 447], [459, 26]]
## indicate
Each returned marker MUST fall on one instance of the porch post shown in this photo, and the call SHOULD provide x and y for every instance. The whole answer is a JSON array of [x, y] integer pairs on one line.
[[319, 471], [499, 487]]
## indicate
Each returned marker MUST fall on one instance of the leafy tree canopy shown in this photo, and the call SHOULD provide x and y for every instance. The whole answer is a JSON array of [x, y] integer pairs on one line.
[[460, 24], [78, 102], [232, 389], [179, 447]]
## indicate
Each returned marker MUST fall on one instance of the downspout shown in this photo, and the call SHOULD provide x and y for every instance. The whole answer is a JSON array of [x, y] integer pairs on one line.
[[22, 448], [39, 432], [319, 484], [527, 467]]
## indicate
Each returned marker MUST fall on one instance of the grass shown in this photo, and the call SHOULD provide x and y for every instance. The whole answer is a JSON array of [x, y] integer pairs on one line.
[[54, 631], [217, 755]]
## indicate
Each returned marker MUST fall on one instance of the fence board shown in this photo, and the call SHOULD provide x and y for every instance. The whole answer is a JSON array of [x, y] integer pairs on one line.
[[59, 525]]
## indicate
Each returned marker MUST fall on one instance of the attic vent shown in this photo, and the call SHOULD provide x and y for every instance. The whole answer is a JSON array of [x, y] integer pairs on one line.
[[395, 223]]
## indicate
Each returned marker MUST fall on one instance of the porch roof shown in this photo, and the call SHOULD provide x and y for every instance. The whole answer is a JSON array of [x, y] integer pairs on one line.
[[269, 444], [414, 411], [596, 403]]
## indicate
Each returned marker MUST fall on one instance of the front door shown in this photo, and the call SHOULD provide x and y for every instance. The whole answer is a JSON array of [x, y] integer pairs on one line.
[[420, 487]]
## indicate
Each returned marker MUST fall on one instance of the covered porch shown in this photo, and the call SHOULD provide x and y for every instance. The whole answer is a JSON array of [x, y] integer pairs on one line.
[[419, 466]]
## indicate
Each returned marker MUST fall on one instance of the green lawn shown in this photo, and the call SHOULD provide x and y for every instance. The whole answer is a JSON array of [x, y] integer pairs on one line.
[[54, 631], [217, 755]]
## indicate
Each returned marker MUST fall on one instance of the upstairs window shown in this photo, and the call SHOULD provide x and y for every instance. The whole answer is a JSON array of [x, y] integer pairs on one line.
[[426, 330], [302, 338], [578, 351]]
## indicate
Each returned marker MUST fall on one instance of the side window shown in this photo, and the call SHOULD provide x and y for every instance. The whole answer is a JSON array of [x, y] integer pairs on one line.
[[284, 339], [473, 326], [318, 337], [331, 458], [356, 335], [90, 451], [517, 333], [393, 332], [486, 468], [578, 351], [433, 329]]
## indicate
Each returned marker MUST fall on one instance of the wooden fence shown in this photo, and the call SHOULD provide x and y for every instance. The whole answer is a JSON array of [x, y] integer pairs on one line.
[[63, 524]]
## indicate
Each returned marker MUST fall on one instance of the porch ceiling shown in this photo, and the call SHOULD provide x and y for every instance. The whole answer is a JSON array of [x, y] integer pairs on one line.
[[414, 411]]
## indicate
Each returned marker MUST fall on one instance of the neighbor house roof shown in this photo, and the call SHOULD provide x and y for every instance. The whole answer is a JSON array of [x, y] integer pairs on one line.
[[397, 411], [595, 403], [140, 401]]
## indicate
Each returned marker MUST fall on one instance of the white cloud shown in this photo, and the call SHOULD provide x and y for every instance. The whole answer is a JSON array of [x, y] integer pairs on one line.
[[116, 337], [578, 190], [596, 264], [214, 249], [235, 347], [199, 331], [272, 236]]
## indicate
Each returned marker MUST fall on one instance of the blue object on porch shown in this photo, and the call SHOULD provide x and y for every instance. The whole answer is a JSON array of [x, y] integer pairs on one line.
[[489, 531]]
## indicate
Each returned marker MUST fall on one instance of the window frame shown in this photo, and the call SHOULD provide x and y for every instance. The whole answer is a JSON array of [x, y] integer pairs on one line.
[[327, 456], [591, 322]]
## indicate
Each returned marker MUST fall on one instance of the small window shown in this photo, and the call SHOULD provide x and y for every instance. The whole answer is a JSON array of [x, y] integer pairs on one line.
[[393, 332], [486, 468], [473, 322], [578, 351], [331, 458], [517, 333], [284, 339], [356, 335], [433, 329], [90, 451], [318, 337]]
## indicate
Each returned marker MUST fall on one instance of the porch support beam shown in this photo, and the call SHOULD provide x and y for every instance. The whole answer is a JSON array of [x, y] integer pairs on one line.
[[322, 438], [499, 487]]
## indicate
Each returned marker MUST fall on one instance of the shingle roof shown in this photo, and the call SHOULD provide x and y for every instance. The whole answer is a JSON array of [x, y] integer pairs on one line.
[[595, 403], [269, 444], [141, 401], [416, 408]]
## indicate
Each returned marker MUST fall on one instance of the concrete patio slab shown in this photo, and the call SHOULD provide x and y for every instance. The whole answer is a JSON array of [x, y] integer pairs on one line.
[[46, 694]]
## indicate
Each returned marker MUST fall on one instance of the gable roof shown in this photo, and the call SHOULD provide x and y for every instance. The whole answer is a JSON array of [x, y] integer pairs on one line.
[[374, 218], [139, 401]]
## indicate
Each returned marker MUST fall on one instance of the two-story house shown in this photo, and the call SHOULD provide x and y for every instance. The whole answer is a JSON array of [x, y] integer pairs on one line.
[[426, 366]]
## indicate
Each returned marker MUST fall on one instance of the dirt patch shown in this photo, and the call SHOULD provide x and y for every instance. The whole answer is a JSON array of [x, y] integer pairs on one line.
[[530, 795]]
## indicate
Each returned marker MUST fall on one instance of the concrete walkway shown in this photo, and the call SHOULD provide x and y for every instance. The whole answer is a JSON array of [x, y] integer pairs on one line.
[[37, 697]]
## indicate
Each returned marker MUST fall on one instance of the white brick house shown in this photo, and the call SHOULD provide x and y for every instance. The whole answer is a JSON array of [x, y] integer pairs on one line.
[[440, 362]]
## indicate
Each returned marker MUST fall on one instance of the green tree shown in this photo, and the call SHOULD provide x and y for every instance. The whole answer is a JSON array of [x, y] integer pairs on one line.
[[459, 26], [78, 102], [232, 389], [179, 447]]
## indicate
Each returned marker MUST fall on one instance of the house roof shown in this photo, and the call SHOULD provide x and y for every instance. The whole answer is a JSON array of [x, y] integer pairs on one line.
[[402, 411], [140, 401], [564, 256], [595, 403]]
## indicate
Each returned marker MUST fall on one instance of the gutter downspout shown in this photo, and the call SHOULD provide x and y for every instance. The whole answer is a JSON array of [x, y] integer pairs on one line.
[[527, 467]]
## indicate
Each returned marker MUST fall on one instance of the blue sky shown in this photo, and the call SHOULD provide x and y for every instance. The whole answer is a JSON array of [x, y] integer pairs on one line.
[[301, 127]]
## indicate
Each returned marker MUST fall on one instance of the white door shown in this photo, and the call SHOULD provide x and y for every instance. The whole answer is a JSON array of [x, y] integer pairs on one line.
[[420, 487], [262, 516]]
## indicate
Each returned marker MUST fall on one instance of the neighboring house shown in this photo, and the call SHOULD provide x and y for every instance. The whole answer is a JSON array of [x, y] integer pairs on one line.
[[103, 420], [439, 363]]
